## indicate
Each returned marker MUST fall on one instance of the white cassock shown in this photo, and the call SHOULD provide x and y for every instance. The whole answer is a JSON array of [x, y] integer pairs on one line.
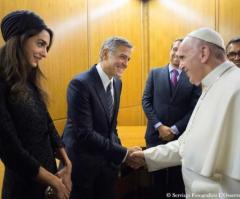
[[209, 149]]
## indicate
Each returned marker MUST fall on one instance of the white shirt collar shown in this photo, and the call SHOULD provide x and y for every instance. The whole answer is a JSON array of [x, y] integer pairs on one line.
[[105, 79], [171, 67]]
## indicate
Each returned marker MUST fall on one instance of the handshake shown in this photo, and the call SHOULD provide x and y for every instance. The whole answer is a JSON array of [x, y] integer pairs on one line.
[[135, 157]]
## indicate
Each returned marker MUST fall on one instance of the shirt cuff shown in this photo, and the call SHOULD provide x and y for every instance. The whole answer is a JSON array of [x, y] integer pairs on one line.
[[175, 130], [156, 126]]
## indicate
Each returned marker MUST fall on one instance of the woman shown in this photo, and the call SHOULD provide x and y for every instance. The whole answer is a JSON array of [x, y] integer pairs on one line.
[[29, 141]]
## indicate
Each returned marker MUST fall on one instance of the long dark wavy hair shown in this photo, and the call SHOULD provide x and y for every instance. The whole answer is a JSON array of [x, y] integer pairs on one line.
[[15, 69]]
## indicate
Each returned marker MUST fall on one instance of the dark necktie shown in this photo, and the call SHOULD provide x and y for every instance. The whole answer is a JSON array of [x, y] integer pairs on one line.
[[109, 100], [174, 76]]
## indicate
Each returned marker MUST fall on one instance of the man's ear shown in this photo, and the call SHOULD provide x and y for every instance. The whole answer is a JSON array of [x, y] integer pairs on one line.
[[204, 54], [105, 54]]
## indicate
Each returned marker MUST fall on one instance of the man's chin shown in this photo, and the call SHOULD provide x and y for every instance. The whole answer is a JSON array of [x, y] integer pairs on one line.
[[119, 75], [33, 65], [120, 72], [196, 83]]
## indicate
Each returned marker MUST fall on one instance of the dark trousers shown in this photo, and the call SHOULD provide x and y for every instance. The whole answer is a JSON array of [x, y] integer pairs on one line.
[[167, 182], [99, 184]]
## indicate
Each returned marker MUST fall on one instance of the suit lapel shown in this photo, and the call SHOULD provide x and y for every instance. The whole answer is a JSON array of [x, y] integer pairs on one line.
[[180, 85], [116, 88], [164, 78], [100, 91]]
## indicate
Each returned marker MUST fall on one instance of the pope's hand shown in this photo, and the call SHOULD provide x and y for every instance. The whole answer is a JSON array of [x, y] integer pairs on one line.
[[138, 159]]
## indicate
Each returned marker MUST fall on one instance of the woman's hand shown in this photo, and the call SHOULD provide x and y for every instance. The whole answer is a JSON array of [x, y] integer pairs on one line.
[[60, 189], [65, 175]]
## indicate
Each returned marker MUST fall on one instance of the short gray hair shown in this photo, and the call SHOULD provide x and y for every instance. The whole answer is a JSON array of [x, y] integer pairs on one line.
[[113, 43]]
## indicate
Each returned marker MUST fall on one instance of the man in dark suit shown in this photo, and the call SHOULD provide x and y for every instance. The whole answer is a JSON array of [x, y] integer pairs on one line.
[[168, 101], [90, 134]]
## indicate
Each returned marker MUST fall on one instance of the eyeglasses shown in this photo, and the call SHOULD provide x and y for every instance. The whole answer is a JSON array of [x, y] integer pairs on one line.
[[232, 55]]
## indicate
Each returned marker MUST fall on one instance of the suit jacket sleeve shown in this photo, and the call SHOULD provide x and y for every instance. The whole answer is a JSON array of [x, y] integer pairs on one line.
[[147, 101], [12, 153], [181, 124], [54, 136], [80, 112]]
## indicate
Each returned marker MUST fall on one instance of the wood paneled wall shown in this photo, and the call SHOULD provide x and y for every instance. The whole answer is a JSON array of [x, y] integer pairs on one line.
[[81, 26], [169, 20], [228, 19]]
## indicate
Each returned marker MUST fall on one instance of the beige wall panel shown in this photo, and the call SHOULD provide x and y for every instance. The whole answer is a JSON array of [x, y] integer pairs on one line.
[[1, 176], [129, 116], [229, 16], [132, 135], [60, 124], [169, 20], [123, 18], [69, 54]]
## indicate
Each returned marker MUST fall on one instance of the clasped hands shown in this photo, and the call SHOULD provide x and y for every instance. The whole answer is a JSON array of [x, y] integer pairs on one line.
[[64, 175], [165, 133], [135, 157]]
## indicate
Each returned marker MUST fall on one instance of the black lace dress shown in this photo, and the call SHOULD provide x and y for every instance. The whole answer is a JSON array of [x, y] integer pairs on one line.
[[28, 139]]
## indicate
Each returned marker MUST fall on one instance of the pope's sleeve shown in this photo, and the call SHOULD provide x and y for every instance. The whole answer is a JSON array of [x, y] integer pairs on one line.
[[163, 156]]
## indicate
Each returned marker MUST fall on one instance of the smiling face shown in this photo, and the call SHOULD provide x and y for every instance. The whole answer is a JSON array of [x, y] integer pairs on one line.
[[190, 54], [36, 47], [115, 62], [233, 53], [174, 60]]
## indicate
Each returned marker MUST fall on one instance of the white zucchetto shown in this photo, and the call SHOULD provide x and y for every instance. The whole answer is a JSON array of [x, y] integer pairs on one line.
[[208, 35]]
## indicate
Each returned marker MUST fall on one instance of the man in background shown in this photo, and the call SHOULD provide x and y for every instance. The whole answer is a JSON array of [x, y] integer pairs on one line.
[[233, 50], [90, 134], [168, 101]]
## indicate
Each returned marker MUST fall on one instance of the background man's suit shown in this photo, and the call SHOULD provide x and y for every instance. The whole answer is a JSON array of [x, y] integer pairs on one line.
[[90, 136], [169, 105]]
